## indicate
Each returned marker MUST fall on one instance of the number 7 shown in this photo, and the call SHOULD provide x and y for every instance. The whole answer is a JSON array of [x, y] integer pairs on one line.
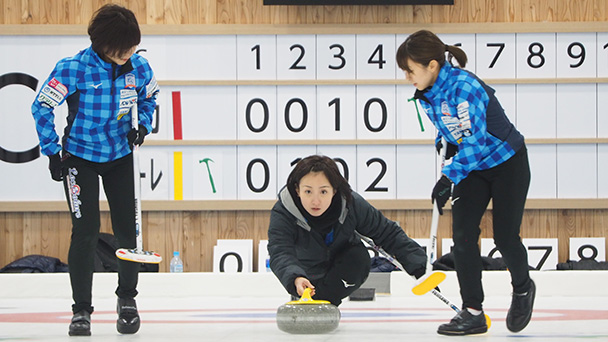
[[543, 259], [501, 46]]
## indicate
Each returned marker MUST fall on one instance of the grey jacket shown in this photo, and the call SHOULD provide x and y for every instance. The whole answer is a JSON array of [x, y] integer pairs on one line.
[[297, 250]]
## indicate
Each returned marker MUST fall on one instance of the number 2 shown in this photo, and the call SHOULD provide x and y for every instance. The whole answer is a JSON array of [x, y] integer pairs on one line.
[[295, 65]]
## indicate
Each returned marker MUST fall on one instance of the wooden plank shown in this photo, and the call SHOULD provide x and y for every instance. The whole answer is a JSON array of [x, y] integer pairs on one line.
[[13, 242], [32, 235], [192, 237], [600, 227], [174, 236], [11, 11], [157, 12], [261, 29], [255, 205], [210, 223], [154, 230]]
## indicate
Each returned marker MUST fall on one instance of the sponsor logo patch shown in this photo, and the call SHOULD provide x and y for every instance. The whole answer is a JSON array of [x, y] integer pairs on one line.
[[463, 116], [74, 192], [130, 81], [445, 109], [58, 86], [151, 88]]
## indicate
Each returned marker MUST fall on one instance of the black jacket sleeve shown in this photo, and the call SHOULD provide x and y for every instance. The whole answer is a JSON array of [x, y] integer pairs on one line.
[[388, 235], [282, 238]]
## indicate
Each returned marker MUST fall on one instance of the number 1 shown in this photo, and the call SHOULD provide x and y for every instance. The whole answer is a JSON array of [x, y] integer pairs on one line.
[[257, 56]]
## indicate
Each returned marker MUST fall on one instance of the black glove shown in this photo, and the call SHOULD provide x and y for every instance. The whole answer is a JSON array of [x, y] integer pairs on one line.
[[442, 192], [419, 272], [56, 168], [136, 136], [450, 151]]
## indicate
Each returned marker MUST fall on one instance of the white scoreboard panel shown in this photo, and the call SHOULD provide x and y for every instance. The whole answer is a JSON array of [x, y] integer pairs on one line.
[[249, 106]]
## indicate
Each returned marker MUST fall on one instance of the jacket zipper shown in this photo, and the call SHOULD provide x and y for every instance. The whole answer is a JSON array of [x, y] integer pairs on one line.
[[112, 106]]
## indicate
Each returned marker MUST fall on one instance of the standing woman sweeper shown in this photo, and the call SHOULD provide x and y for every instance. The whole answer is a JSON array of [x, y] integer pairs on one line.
[[99, 85], [489, 161], [312, 238]]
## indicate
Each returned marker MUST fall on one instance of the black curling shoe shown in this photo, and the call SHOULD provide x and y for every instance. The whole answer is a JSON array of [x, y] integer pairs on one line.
[[81, 324], [520, 312], [464, 323], [128, 319]]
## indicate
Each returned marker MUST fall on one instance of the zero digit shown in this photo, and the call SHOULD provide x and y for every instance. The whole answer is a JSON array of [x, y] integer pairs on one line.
[[384, 114], [249, 171], [266, 114], [342, 162], [304, 115], [34, 152], [239, 261]]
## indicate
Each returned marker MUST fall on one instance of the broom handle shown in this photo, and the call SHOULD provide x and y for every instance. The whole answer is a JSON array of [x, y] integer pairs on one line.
[[431, 250], [137, 182]]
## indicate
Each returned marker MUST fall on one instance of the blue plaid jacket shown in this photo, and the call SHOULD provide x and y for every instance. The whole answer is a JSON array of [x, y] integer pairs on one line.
[[99, 96], [467, 113]]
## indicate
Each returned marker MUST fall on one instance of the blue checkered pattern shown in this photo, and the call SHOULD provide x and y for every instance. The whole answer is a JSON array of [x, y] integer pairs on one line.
[[98, 94], [461, 107]]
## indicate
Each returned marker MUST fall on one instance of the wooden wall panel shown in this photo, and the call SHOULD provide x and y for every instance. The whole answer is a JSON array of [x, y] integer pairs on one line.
[[194, 233], [158, 12]]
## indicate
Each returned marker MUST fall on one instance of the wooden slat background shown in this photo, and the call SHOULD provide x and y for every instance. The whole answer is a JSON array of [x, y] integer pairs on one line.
[[193, 232]]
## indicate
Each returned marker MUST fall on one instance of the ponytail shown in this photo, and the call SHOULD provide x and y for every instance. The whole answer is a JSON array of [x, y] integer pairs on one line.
[[458, 53], [424, 46]]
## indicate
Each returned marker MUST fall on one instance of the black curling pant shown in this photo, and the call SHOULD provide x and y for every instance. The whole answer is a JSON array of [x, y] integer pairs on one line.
[[348, 272], [507, 185], [81, 183]]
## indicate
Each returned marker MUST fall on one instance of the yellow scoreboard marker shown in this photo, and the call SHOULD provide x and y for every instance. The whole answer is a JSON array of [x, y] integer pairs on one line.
[[178, 176]]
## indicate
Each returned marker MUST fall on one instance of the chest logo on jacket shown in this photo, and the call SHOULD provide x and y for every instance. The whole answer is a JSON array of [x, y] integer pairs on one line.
[[130, 81], [445, 109]]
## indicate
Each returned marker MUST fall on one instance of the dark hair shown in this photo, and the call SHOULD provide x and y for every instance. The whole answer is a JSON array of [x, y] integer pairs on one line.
[[424, 46], [113, 31], [318, 163]]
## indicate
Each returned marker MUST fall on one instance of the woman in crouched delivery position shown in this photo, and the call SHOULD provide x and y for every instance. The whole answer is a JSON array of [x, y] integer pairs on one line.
[[312, 237], [489, 161]]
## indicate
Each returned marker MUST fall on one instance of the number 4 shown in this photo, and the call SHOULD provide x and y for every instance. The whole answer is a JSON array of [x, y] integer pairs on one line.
[[379, 59]]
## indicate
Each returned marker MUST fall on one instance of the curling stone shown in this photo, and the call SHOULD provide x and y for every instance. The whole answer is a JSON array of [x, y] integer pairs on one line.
[[308, 316]]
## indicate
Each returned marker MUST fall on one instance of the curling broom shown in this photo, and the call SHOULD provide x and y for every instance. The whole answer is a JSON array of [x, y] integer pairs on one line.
[[137, 254]]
